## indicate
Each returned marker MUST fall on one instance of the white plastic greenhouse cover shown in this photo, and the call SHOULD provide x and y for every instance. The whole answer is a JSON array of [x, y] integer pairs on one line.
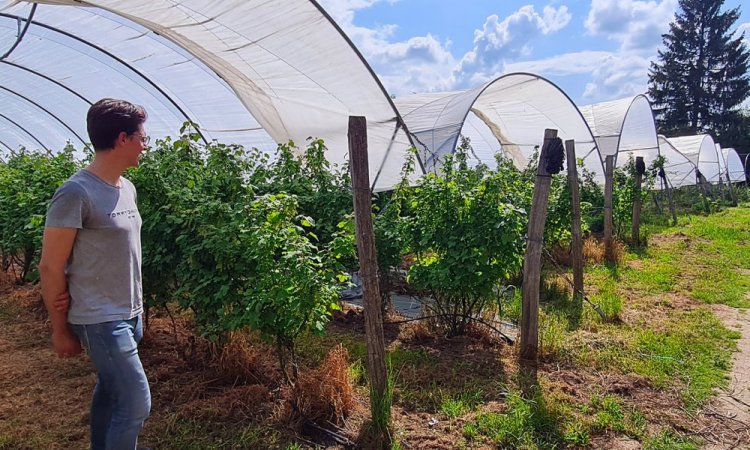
[[515, 107], [701, 150], [735, 170], [680, 170], [624, 128], [249, 72]]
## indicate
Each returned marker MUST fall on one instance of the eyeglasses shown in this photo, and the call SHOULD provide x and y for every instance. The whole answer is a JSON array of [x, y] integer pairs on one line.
[[144, 139]]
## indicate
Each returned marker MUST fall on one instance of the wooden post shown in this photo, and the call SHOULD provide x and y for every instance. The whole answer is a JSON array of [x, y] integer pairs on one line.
[[368, 268], [668, 188], [636, 225], [732, 192], [609, 179], [533, 259], [655, 198], [576, 250], [705, 189]]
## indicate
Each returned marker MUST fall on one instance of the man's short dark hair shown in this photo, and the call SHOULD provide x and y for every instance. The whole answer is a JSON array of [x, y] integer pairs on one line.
[[108, 117]]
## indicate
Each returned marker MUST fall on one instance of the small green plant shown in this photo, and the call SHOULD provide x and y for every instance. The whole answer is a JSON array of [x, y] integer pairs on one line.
[[526, 424], [576, 433], [611, 415], [381, 406], [553, 336], [470, 431], [668, 440], [461, 404]]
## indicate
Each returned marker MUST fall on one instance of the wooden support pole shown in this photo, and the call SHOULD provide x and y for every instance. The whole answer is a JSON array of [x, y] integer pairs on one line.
[[732, 192], [640, 169], [576, 249], [368, 268], [609, 179], [668, 188], [533, 259], [655, 198], [705, 189]]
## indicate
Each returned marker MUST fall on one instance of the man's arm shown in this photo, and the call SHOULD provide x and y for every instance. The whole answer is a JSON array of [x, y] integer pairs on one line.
[[57, 245]]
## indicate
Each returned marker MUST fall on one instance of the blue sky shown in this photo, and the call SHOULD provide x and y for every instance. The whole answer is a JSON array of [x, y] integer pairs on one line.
[[595, 50]]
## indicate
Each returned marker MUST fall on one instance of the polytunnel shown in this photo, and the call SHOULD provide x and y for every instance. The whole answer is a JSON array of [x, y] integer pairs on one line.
[[701, 151], [509, 113], [248, 72], [734, 169], [624, 128], [679, 169]]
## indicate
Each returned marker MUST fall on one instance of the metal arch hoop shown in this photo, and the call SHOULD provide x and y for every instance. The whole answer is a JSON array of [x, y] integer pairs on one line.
[[21, 34], [50, 79], [116, 58], [6, 146], [24, 130], [45, 110]]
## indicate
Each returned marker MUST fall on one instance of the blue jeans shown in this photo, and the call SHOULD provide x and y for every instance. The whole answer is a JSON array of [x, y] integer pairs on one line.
[[122, 399]]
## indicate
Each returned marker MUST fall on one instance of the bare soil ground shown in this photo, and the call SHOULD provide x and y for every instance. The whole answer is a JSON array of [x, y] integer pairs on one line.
[[733, 403], [44, 400]]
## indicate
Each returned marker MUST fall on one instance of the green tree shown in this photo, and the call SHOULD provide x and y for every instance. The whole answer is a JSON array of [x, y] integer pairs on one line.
[[701, 76]]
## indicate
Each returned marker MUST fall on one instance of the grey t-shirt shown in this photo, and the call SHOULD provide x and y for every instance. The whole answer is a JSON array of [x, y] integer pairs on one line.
[[104, 269]]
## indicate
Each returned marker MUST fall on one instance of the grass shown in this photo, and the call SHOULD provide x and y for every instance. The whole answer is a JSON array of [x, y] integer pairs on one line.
[[611, 415], [183, 433], [668, 440], [527, 424], [643, 334], [458, 405]]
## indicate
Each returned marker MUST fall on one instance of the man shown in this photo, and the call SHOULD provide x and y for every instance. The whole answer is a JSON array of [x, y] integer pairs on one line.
[[91, 273]]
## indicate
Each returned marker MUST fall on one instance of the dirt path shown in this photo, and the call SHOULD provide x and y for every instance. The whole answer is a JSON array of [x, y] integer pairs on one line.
[[733, 404], [37, 389]]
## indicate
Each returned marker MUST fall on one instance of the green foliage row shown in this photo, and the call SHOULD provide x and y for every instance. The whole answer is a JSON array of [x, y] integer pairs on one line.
[[244, 240], [28, 179], [226, 233], [463, 230]]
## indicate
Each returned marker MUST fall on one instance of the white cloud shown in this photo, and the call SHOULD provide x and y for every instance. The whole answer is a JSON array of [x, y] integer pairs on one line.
[[421, 63], [425, 63], [619, 75], [613, 74], [636, 24], [575, 63], [342, 11], [501, 40], [417, 49]]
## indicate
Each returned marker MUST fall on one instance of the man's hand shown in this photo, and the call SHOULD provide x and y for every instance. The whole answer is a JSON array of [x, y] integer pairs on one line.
[[66, 343], [62, 302]]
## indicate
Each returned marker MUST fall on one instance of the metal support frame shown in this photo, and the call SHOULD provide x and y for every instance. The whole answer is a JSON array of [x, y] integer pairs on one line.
[[45, 110], [24, 130], [48, 78], [116, 58], [22, 33]]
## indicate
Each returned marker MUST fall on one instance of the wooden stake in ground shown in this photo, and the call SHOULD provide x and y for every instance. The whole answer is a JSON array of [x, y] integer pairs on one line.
[[576, 246], [732, 192], [640, 169], [368, 269], [705, 188], [533, 259], [668, 188], [609, 179]]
